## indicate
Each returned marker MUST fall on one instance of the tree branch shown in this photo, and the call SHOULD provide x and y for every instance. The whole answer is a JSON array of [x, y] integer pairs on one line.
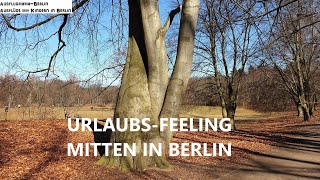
[[169, 20], [52, 58], [74, 8]]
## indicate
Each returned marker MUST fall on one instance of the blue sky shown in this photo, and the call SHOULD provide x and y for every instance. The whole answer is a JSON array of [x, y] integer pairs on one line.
[[81, 57], [89, 47]]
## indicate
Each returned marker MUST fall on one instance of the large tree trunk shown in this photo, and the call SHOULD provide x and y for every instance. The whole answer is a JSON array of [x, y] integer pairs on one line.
[[231, 111], [306, 113], [305, 107], [312, 105], [145, 91], [228, 108], [303, 89], [299, 108], [232, 104], [224, 110], [183, 65]]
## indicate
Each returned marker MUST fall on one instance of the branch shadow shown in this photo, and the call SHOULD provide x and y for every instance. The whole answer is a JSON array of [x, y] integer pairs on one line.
[[53, 148]]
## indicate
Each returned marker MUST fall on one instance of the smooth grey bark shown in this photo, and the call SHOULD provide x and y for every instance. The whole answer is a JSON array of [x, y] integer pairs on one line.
[[145, 90], [183, 64]]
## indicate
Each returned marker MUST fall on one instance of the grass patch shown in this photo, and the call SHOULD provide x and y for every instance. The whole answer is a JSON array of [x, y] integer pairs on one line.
[[51, 113]]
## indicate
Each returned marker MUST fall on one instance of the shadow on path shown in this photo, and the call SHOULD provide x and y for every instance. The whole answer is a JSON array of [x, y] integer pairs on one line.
[[296, 156]]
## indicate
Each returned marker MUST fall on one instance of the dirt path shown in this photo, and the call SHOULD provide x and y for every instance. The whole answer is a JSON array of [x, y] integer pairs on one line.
[[297, 157]]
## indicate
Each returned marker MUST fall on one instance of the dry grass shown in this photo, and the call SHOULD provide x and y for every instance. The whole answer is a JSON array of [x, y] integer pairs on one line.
[[241, 114], [51, 113]]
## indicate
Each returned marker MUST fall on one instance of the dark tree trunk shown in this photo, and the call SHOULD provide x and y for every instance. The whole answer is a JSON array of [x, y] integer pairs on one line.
[[231, 111], [306, 114]]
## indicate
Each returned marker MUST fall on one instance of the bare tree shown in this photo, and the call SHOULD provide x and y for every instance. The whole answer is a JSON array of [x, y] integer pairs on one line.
[[226, 38], [294, 51], [145, 88]]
